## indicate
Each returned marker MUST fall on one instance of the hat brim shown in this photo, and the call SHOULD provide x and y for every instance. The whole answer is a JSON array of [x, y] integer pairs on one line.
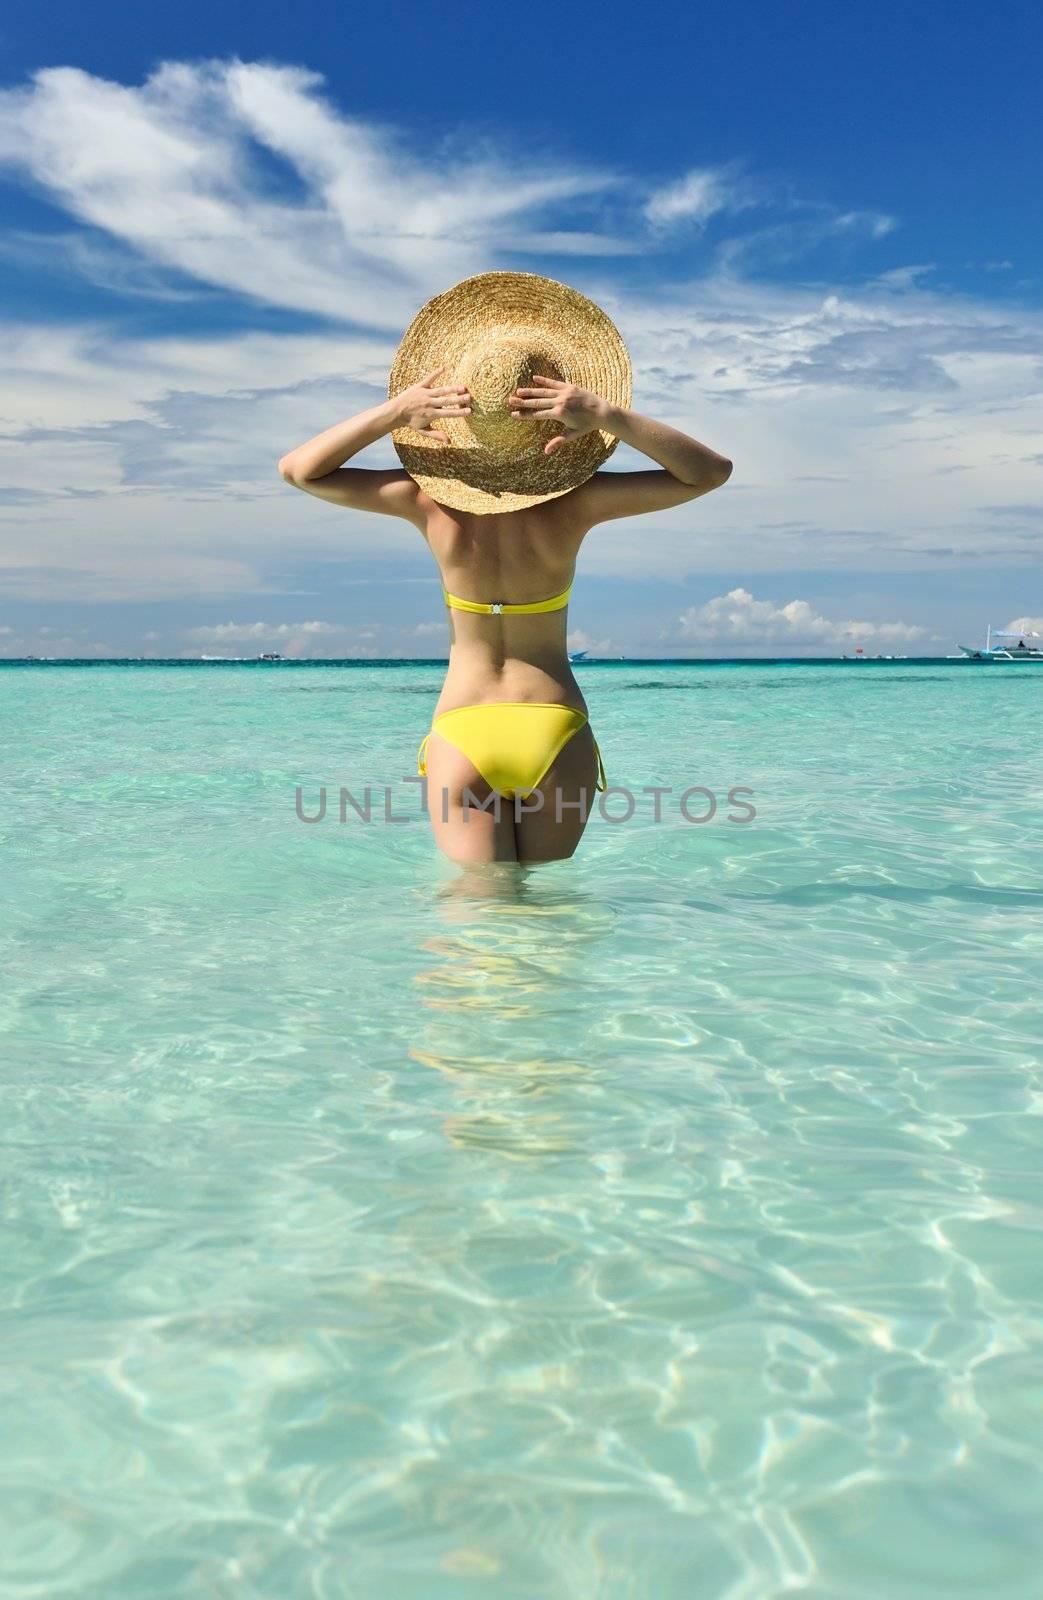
[[569, 330]]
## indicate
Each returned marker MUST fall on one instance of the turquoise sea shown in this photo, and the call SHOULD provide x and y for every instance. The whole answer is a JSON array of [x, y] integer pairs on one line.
[[663, 1224]]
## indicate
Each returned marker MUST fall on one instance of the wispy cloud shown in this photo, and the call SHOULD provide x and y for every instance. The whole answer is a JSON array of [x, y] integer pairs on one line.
[[60, 259], [700, 194], [902, 278], [179, 169], [793, 237], [242, 177], [873, 224]]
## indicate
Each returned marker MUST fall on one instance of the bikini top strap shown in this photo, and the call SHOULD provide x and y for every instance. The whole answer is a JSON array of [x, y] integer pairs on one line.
[[556, 602]]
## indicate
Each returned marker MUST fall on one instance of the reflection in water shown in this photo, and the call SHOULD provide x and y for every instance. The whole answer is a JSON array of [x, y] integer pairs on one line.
[[488, 880], [515, 965]]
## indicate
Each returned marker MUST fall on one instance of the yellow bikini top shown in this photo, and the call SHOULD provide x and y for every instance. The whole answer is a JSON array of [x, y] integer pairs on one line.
[[557, 602]]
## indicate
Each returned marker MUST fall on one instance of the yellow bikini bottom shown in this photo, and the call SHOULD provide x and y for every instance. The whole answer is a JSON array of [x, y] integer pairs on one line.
[[513, 743]]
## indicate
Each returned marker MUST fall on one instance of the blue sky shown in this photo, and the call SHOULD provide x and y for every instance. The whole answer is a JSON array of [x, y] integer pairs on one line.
[[817, 227]]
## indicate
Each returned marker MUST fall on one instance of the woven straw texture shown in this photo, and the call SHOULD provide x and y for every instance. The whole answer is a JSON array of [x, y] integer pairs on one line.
[[494, 332]]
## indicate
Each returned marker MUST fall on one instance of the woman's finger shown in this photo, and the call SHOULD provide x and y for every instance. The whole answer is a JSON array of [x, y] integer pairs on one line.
[[452, 411], [538, 394], [553, 383], [546, 404], [455, 388], [433, 374], [434, 433]]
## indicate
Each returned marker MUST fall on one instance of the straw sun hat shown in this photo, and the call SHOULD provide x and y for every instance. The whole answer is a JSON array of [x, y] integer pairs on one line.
[[494, 333]]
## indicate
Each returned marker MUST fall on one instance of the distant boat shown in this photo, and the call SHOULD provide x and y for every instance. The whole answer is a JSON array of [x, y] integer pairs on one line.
[[1005, 652], [860, 655], [270, 655], [576, 655]]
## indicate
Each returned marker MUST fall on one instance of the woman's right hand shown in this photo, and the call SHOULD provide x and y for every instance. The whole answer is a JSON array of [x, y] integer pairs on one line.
[[422, 404]]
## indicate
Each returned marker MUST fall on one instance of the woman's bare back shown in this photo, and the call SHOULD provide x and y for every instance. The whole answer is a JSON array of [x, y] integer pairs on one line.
[[516, 556]]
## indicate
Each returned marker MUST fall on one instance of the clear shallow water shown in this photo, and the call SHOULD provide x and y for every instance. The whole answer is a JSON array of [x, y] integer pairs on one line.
[[668, 1224]]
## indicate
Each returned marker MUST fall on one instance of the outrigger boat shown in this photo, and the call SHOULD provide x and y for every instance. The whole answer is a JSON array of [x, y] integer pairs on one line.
[[1021, 651]]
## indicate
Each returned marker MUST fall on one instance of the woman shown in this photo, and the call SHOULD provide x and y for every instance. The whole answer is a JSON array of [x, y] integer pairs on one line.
[[501, 442]]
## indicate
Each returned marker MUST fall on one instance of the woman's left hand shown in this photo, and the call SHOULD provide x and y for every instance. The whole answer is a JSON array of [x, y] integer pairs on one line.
[[551, 399]]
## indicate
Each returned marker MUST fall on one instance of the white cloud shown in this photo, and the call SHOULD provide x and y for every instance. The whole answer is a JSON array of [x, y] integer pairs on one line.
[[292, 639], [696, 197], [171, 169], [738, 619], [904, 277], [877, 224], [1026, 625], [578, 640], [706, 192]]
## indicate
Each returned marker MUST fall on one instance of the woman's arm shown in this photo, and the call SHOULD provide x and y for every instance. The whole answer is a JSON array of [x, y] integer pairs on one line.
[[682, 456], [688, 467], [317, 466]]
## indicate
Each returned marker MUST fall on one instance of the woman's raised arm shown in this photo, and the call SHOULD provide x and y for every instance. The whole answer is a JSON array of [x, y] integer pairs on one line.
[[316, 466], [688, 467]]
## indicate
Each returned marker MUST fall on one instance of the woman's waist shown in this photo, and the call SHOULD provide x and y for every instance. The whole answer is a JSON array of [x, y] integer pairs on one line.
[[470, 682]]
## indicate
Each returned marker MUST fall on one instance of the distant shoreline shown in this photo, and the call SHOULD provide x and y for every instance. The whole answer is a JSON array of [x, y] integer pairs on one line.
[[604, 663]]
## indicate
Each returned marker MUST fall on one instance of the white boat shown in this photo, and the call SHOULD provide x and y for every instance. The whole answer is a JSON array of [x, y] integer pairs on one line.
[[1005, 651]]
